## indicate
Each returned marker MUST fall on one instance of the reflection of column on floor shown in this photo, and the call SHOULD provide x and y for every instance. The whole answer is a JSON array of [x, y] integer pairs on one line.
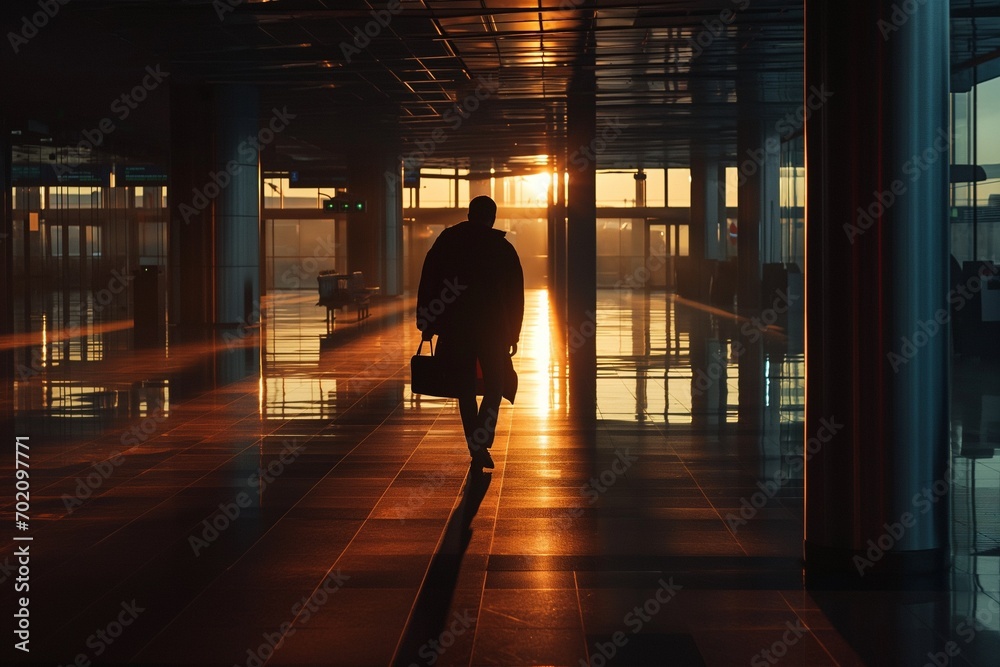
[[581, 244], [636, 268], [709, 368], [640, 348]]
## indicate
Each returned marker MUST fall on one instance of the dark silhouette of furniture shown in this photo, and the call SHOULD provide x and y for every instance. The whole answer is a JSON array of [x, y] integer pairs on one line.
[[339, 290]]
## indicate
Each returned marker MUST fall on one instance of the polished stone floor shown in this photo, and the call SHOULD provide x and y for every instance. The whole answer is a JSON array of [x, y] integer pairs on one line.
[[278, 496]]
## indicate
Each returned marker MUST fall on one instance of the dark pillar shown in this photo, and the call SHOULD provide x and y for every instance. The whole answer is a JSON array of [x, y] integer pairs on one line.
[[755, 163], [708, 218], [190, 222], [550, 227], [237, 206], [581, 244], [877, 248], [559, 243], [7, 286], [375, 236]]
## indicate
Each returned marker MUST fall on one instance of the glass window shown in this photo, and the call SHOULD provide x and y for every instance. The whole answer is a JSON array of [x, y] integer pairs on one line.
[[975, 206], [656, 187], [616, 188], [436, 192], [679, 187]]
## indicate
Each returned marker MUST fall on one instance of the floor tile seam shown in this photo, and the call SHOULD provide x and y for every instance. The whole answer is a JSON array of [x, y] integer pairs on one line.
[[805, 623], [133, 520], [364, 523], [701, 490], [437, 546], [583, 622], [123, 453], [111, 491], [85, 445], [181, 490], [331, 569], [493, 529]]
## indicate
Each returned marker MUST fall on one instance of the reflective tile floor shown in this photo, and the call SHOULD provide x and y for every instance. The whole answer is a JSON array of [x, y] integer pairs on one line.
[[277, 496]]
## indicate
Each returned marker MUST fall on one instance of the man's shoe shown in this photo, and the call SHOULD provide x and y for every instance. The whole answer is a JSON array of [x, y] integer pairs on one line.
[[482, 459]]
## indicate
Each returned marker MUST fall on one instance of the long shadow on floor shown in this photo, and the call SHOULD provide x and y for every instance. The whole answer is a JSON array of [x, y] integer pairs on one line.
[[430, 612]]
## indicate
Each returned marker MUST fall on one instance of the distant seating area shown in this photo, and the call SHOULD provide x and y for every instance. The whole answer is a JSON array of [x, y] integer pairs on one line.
[[339, 290]]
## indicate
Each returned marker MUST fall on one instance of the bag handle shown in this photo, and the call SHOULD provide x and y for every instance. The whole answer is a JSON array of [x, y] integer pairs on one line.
[[421, 346]]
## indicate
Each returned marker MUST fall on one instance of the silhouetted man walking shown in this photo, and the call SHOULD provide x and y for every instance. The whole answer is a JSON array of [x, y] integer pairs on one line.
[[472, 296]]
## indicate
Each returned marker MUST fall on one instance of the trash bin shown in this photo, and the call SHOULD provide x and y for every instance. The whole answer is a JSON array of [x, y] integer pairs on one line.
[[147, 310]]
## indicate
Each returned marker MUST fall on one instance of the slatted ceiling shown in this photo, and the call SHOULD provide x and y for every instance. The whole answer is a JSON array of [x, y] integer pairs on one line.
[[432, 55]]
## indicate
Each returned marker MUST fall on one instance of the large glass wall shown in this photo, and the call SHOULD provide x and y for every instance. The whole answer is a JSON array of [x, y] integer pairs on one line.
[[975, 197], [792, 202]]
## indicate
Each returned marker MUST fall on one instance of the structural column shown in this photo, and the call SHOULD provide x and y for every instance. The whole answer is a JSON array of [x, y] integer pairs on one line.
[[877, 244], [708, 208], [375, 236], [758, 151], [708, 219], [7, 369], [214, 201], [237, 206], [581, 244], [190, 222], [558, 215]]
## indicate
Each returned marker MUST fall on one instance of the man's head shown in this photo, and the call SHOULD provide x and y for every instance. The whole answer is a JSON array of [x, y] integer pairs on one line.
[[483, 210]]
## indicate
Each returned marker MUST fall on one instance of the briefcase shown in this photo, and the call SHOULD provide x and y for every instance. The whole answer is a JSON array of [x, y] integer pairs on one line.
[[431, 375], [436, 375]]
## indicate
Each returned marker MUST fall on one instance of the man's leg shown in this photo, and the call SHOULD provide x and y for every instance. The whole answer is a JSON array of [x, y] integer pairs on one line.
[[491, 360], [461, 358], [468, 408]]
